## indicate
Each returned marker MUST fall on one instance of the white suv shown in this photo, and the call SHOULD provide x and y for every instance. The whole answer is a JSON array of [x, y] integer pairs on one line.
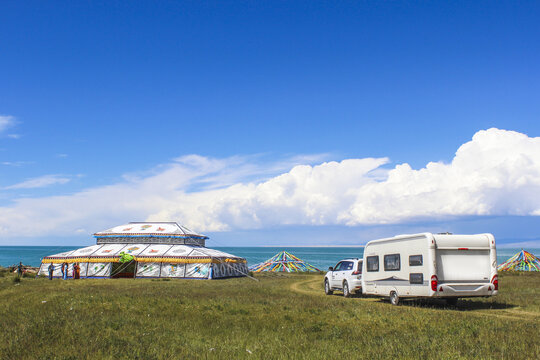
[[345, 276]]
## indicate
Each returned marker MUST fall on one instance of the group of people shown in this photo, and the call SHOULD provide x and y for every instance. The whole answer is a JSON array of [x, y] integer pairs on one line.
[[65, 266]]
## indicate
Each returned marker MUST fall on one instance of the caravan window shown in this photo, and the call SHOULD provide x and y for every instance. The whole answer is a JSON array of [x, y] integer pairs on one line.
[[372, 263], [415, 260], [416, 278], [391, 262]]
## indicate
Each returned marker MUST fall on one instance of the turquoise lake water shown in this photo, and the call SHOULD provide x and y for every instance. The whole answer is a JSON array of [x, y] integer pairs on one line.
[[320, 257]]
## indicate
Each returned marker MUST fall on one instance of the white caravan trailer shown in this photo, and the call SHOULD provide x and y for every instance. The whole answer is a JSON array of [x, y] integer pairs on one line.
[[443, 266]]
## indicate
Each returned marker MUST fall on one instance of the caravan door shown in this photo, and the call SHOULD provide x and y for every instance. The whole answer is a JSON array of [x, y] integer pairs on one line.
[[371, 274], [418, 276]]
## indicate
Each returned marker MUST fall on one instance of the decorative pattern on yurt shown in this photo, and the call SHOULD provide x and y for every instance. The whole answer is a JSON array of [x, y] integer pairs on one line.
[[150, 250]]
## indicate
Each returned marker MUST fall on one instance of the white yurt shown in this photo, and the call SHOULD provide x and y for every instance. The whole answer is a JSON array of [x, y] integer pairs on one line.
[[148, 250]]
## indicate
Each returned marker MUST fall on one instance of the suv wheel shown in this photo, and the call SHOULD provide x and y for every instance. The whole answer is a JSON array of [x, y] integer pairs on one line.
[[327, 289], [394, 298], [346, 291]]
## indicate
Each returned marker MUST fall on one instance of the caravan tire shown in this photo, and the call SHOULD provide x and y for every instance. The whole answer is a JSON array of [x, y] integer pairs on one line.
[[346, 291], [327, 289], [394, 298]]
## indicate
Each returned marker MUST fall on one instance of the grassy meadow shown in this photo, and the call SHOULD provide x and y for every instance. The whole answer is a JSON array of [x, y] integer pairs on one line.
[[278, 317]]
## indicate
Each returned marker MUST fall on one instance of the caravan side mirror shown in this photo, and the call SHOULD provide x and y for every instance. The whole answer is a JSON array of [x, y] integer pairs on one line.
[[330, 269]]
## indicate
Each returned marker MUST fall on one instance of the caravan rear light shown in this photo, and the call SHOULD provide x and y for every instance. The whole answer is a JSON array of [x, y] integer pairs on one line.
[[434, 282], [495, 282]]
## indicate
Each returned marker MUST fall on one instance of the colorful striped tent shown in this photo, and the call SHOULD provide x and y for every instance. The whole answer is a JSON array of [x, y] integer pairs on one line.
[[522, 261], [147, 250], [284, 262]]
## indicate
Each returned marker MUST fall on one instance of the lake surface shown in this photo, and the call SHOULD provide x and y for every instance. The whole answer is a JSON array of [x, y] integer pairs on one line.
[[320, 257]]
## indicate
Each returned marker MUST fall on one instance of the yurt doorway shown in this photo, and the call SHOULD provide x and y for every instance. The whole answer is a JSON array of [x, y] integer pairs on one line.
[[123, 270]]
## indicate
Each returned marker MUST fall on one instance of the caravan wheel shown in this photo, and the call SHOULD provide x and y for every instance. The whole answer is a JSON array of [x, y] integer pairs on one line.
[[394, 298]]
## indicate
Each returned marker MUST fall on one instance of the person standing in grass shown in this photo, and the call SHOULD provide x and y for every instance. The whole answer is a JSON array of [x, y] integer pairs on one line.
[[64, 270], [51, 271], [76, 271], [19, 270]]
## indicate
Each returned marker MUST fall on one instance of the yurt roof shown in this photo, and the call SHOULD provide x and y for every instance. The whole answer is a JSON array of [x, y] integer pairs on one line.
[[149, 229], [157, 252]]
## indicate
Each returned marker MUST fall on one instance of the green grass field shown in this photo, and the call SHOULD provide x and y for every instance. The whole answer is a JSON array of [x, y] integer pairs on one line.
[[279, 317]]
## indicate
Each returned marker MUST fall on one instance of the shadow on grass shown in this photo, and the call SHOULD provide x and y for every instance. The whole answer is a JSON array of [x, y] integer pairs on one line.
[[462, 304], [339, 293]]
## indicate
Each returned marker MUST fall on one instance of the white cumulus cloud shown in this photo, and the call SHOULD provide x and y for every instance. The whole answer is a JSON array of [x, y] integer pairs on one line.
[[496, 173]]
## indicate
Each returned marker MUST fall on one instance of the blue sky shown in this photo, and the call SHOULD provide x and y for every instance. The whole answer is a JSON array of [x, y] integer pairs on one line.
[[100, 95]]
